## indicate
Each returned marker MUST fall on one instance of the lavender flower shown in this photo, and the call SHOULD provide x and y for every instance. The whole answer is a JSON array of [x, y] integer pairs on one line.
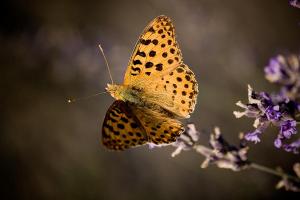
[[187, 139], [223, 154], [277, 110], [276, 70], [272, 113], [227, 156], [288, 183], [285, 70], [295, 3], [287, 128], [253, 136], [293, 147], [220, 152]]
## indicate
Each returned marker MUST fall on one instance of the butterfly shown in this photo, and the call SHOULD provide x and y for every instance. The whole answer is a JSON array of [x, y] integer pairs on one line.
[[158, 91]]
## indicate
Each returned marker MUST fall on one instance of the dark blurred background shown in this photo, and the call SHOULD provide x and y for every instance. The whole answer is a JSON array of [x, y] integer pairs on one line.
[[49, 52]]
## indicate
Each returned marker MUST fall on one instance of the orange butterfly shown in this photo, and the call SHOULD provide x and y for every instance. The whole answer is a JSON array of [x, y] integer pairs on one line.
[[158, 91]]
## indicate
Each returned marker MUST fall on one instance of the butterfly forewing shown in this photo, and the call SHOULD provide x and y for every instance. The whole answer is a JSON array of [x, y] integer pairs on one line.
[[156, 52], [179, 89], [121, 129]]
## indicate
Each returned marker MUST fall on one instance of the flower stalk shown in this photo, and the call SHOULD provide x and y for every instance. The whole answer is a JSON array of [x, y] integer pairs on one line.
[[227, 156]]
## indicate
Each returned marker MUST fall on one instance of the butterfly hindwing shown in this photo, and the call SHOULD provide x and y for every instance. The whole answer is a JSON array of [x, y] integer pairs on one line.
[[121, 129], [156, 52], [161, 127]]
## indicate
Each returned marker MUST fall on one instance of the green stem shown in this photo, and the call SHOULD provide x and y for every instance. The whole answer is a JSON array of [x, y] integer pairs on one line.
[[272, 171]]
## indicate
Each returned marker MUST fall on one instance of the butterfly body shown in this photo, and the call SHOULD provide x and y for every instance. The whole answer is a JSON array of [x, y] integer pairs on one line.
[[124, 93], [158, 91], [138, 97]]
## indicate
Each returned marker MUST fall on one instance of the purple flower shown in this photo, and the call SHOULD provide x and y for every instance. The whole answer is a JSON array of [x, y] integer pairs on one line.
[[272, 113], [275, 70], [288, 128], [293, 147], [186, 140], [275, 109], [278, 143], [223, 154], [284, 70], [295, 3], [219, 152], [253, 136]]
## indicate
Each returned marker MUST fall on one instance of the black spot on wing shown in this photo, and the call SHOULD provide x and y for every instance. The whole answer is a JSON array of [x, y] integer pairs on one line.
[[148, 64], [137, 62], [151, 30], [145, 42], [179, 70], [152, 53], [159, 67], [124, 119], [141, 53], [187, 77], [136, 69], [134, 125], [155, 41]]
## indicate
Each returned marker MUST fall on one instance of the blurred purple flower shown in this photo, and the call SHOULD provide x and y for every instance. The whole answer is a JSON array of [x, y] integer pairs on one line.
[[223, 154], [288, 128], [186, 140], [278, 143], [272, 113], [295, 3], [285, 70], [267, 109], [275, 71], [293, 147], [289, 183], [253, 136], [220, 151]]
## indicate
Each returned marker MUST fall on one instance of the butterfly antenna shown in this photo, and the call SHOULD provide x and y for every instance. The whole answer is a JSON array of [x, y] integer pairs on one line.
[[106, 63], [73, 100]]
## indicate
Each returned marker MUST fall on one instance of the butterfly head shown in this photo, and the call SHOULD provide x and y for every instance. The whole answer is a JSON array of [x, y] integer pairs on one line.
[[116, 91]]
